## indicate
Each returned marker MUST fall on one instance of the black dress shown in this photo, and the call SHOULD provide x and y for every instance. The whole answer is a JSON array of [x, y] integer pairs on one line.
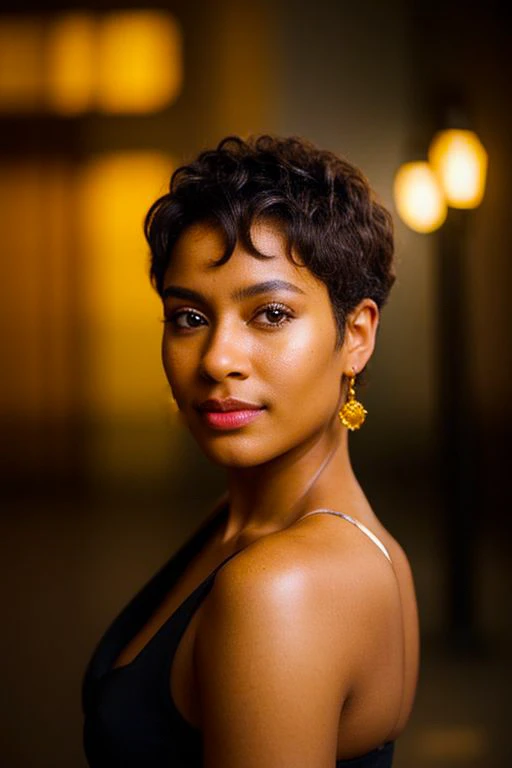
[[130, 719]]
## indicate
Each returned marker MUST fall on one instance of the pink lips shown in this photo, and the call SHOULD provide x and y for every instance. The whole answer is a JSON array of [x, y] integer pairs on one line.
[[227, 404], [230, 419]]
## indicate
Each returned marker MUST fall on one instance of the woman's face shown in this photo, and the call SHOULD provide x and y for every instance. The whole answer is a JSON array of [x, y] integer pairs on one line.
[[270, 345]]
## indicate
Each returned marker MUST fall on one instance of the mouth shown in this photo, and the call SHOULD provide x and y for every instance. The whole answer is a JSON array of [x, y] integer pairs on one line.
[[228, 404], [226, 420]]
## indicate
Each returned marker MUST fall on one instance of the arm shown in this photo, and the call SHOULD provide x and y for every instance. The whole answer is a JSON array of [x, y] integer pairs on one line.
[[273, 667]]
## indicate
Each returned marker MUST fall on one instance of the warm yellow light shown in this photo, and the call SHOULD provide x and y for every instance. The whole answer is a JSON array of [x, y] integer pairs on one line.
[[122, 62], [124, 366], [21, 73], [70, 63], [419, 198], [139, 61], [460, 161]]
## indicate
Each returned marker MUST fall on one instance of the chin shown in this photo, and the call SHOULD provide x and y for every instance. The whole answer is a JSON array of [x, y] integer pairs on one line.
[[234, 451], [233, 457]]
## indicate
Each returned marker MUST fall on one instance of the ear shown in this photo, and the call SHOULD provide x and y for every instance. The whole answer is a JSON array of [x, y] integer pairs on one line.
[[360, 334]]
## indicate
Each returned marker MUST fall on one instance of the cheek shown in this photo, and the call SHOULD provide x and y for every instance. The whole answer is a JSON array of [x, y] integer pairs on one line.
[[305, 370]]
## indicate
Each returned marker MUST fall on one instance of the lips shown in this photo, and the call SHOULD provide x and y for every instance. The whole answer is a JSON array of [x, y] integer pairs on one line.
[[227, 405]]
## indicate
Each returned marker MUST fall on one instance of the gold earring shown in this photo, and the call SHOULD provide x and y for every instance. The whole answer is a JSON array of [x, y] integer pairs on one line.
[[352, 414]]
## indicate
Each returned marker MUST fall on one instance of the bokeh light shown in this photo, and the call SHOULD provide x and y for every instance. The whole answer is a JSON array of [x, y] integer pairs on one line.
[[460, 162], [419, 198], [124, 62]]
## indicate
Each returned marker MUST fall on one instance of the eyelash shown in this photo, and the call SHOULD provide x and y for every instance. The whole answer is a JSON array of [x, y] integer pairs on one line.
[[172, 320]]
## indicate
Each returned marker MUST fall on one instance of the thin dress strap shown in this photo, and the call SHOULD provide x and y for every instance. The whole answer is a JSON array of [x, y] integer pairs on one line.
[[362, 527]]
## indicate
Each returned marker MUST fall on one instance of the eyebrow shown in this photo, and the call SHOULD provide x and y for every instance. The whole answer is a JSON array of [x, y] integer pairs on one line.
[[238, 295]]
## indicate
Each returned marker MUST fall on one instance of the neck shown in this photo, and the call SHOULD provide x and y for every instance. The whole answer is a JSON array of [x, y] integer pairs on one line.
[[271, 496]]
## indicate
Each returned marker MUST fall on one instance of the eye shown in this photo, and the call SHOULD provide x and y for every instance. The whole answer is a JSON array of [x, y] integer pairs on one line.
[[194, 318], [279, 314]]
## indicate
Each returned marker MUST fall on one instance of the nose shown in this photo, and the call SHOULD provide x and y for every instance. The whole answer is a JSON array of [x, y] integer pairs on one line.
[[225, 354]]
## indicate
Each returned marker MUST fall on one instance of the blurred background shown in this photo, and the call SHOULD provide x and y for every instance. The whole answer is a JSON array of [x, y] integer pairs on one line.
[[98, 103]]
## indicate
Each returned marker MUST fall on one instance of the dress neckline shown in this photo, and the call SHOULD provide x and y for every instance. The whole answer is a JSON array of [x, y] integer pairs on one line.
[[208, 529]]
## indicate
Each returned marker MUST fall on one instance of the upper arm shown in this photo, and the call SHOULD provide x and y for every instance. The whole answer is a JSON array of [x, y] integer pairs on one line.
[[273, 666]]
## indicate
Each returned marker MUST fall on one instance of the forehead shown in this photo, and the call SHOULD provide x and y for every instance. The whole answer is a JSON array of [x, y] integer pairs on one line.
[[201, 245]]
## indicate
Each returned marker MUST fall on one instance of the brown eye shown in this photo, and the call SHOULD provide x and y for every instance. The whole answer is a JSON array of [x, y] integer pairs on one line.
[[277, 314], [194, 319]]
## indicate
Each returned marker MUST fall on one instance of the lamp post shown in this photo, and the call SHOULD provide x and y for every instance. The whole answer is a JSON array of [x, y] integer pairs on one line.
[[433, 195]]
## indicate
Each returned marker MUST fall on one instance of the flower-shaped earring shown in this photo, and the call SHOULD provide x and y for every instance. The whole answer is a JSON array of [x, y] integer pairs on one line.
[[353, 413]]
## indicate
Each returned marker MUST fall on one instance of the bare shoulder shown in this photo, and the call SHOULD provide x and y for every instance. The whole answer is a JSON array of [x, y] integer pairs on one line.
[[326, 591], [322, 581], [279, 643], [314, 562]]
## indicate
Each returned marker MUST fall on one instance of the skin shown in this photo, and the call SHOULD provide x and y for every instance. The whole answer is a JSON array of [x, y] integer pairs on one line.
[[306, 648]]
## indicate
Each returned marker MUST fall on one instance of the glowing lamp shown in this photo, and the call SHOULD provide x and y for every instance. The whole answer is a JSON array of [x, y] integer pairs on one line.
[[460, 162], [419, 198]]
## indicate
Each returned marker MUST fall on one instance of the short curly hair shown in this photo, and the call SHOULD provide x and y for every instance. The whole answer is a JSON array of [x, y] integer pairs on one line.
[[323, 204]]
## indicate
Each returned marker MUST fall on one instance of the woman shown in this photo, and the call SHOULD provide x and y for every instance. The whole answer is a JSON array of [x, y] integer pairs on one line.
[[284, 632]]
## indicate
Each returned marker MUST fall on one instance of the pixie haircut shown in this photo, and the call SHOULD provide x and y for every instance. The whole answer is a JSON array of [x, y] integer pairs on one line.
[[321, 203]]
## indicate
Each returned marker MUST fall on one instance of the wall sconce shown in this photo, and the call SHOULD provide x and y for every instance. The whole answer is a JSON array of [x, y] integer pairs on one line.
[[454, 176], [459, 161], [419, 197]]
